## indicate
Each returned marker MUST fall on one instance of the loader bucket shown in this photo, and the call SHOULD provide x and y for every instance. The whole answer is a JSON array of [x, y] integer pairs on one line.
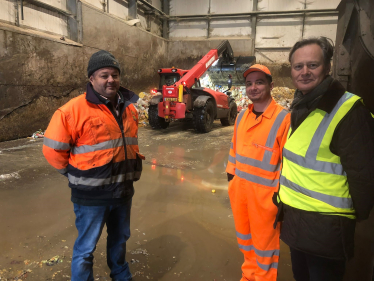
[[219, 72]]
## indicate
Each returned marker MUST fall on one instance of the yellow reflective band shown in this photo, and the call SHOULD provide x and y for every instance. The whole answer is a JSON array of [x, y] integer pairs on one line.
[[180, 96]]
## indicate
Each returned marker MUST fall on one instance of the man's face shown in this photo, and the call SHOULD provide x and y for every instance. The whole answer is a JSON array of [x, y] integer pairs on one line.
[[307, 68], [258, 87], [105, 81]]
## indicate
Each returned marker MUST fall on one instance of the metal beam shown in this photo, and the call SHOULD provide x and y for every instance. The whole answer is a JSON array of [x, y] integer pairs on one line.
[[303, 26], [16, 13], [257, 13], [133, 9], [165, 22], [253, 26], [208, 23]]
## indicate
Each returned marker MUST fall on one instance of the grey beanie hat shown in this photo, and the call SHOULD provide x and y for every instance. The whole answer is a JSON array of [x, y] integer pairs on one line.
[[101, 59]]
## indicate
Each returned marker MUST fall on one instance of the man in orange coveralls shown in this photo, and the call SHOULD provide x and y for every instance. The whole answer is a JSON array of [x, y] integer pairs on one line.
[[253, 171]]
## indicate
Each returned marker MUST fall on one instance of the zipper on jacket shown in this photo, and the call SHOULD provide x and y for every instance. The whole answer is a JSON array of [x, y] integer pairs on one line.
[[120, 124]]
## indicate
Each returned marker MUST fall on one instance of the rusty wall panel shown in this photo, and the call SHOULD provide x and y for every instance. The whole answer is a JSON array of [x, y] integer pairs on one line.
[[279, 5], [61, 4], [119, 9], [266, 56], [224, 27], [43, 19], [322, 4], [321, 26], [95, 3], [156, 25], [7, 11], [188, 29], [278, 32], [233, 6], [157, 4], [190, 7]]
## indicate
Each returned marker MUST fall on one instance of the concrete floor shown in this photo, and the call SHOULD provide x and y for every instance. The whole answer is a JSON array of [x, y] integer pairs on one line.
[[180, 229]]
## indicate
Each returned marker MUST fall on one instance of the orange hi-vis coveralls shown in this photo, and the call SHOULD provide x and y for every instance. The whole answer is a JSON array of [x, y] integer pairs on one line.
[[255, 160]]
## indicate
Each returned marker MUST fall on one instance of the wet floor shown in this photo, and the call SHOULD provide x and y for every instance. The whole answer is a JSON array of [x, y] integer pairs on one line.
[[181, 230]]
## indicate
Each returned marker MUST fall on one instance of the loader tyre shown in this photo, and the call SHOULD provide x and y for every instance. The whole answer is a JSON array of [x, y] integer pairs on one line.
[[233, 112], [155, 121], [204, 117]]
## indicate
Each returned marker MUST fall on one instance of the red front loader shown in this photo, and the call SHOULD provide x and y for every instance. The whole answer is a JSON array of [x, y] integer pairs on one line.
[[184, 98]]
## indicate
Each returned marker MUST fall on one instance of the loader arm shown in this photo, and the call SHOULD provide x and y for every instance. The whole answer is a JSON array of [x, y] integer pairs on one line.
[[201, 67]]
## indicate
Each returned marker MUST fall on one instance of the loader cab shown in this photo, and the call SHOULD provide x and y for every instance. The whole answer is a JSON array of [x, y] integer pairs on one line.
[[168, 79], [169, 76]]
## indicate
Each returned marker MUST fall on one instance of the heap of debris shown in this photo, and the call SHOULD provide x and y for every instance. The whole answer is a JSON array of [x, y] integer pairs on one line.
[[142, 106], [283, 96]]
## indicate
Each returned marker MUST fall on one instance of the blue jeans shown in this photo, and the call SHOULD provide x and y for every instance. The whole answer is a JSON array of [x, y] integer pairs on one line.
[[90, 221]]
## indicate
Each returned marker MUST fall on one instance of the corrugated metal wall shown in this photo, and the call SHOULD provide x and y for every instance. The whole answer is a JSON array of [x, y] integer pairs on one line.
[[120, 8], [45, 19], [275, 34], [7, 11]]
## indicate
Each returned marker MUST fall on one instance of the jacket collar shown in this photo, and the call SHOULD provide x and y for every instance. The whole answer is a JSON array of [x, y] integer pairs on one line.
[[269, 111], [126, 95], [331, 97]]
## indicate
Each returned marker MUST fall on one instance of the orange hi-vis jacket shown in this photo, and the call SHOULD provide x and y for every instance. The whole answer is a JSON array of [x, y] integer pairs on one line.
[[95, 150], [255, 160], [257, 144]]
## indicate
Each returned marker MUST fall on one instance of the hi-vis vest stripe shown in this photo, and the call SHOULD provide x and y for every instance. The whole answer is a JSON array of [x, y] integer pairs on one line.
[[89, 148], [259, 253], [263, 164], [313, 178]]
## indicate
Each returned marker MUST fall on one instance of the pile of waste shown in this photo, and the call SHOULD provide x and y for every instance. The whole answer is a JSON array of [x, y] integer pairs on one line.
[[241, 99], [38, 134], [142, 106], [283, 96]]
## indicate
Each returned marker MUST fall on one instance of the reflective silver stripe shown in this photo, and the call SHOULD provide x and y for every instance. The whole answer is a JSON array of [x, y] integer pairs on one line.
[[103, 145], [232, 146], [56, 144], [270, 141], [260, 253], [338, 202], [62, 171], [256, 179], [243, 236], [98, 182], [321, 166], [239, 118], [257, 163], [131, 141], [267, 267], [273, 135], [232, 159]]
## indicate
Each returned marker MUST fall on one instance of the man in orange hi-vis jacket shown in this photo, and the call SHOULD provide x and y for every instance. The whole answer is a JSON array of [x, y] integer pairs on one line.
[[93, 141], [253, 171]]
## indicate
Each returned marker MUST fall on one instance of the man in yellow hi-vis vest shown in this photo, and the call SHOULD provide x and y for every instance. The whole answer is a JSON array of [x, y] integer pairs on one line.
[[327, 179]]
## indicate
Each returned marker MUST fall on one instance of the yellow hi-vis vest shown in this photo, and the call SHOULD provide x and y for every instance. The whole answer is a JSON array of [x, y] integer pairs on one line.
[[312, 177]]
